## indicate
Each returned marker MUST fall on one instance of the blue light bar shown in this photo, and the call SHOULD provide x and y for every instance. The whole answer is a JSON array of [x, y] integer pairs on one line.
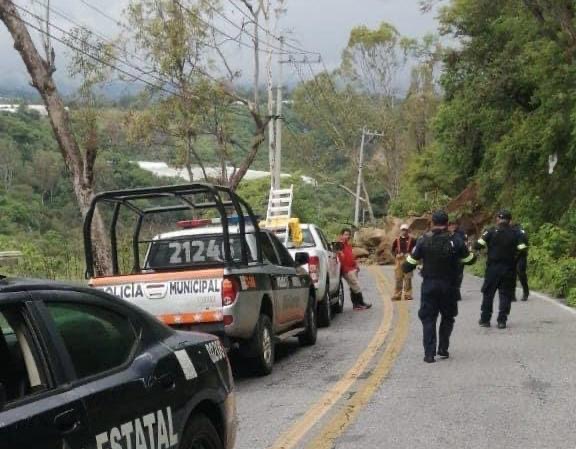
[[235, 219]]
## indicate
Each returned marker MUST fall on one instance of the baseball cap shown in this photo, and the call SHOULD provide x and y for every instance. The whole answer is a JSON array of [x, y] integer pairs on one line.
[[404, 227], [440, 218], [504, 214]]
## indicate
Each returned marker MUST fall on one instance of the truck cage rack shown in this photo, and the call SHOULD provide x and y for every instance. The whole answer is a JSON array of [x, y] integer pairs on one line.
[[220, 198]]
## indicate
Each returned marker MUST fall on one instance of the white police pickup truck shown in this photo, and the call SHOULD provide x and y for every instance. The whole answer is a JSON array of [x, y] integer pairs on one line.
[[324, 269]]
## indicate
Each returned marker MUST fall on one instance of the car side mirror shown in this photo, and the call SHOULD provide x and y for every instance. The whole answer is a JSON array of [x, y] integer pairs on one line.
[[3, 398], [337, 246], [301, 259]]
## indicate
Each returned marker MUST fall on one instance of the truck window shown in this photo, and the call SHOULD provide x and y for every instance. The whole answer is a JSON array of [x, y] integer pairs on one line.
[[307, 241], [268, 249], [323, 239], [195, 250], [285, 257]]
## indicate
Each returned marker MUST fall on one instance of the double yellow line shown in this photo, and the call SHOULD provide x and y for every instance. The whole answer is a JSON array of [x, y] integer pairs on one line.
[[349, 410]]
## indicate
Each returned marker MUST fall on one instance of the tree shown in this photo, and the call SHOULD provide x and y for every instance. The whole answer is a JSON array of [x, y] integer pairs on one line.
[[80, 164], [10, 161], [181, 47], [46, 171]]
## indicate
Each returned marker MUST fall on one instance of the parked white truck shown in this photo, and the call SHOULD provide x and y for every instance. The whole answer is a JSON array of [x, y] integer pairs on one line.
[[324, 270]]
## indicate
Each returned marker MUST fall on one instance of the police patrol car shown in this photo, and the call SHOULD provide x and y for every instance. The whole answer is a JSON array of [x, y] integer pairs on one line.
[[199, 261], [81, 370]]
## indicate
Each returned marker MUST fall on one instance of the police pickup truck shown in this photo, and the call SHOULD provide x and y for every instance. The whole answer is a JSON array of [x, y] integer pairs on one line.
[[213, 270], [81, 370]]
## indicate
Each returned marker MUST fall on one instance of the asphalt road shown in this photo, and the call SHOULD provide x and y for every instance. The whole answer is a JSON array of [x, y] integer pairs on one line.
[[364, 384]]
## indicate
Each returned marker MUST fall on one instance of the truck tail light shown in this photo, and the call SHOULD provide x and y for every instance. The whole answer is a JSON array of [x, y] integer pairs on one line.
[[230, 289], [314, 268]]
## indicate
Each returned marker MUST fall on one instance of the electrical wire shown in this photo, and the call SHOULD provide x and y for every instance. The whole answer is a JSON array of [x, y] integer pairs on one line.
[[269, 33]]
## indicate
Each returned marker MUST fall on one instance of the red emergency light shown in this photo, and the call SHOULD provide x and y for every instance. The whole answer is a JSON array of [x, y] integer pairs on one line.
[[196, 223]]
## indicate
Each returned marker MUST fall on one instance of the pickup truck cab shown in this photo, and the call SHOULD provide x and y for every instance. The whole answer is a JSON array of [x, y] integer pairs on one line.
[[221, 275], [324, 269]]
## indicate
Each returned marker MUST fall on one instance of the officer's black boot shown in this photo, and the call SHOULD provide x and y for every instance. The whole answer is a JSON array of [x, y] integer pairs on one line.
[[361, 302]]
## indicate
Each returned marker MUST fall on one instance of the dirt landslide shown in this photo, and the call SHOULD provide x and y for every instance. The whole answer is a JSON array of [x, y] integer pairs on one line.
[[374, 245]]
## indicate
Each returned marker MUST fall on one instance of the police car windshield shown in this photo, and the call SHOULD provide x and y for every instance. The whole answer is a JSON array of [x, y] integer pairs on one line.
[[194, 250]]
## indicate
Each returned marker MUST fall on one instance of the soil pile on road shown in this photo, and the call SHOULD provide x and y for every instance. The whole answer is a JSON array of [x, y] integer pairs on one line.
[[374, 245]]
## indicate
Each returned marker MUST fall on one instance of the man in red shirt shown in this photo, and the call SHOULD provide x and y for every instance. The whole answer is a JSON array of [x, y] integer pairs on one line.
[[401, 248], [350, 271]]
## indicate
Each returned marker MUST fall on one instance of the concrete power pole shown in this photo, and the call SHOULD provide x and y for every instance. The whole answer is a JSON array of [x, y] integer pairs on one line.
[[278, 121], [271, 128], [276, 125], [365, 133]]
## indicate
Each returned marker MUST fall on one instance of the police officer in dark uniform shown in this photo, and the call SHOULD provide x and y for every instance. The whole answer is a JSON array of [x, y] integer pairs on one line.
[[504, 245], [458, 233], [441, 255], [522, 267]]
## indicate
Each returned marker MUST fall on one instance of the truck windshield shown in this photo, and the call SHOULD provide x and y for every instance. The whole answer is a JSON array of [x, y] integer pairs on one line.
[[307, 242], [196, 250]]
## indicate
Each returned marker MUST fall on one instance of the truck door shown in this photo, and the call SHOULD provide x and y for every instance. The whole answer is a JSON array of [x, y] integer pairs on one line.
[[296, 291], [333, 263]]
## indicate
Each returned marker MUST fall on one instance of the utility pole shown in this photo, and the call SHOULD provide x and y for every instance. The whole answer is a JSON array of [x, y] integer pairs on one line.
[[271, 123], [279, 99], [275, 126], [365, 133]]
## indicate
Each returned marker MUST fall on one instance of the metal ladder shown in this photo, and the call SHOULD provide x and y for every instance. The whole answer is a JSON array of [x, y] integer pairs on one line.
[[279, 212]]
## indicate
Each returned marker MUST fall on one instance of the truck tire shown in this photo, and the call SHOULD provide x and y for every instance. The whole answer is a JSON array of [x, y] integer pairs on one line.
[[263, 362], [308, 336], [200, 432], [324, 308], [339, 306]]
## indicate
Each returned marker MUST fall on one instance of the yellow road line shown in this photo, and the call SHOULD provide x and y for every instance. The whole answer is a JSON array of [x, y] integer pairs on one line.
[[352, 408], [294, 435]]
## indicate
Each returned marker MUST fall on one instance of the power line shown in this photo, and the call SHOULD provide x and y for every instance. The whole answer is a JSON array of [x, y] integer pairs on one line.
[[223, 33], [269, 33], [84, 52]]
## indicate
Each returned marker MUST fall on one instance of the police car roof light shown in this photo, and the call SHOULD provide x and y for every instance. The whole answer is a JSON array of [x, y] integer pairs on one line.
[[195, 223], [235, 219]]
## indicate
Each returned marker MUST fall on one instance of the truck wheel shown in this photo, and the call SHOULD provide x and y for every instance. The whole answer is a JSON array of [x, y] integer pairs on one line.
[[200, 433], [339, 306], [308, 337], [264, 343], [324, 309]]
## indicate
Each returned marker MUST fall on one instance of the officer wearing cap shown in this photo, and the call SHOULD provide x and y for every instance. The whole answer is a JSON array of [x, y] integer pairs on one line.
[[504, 245], [441, 255]]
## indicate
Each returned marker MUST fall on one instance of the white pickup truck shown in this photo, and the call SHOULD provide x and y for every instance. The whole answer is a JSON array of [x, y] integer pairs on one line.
[[324, 270]]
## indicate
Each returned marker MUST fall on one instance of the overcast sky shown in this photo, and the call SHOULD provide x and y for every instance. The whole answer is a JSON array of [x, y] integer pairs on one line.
[[319, 25]]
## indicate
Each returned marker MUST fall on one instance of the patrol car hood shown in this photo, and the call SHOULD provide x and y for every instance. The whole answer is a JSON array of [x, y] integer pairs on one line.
[[182, 297]]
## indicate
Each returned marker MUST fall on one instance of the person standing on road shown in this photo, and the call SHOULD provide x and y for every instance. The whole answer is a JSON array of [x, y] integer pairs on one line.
[[441, 255], [456, 232], [504, 244], [350, 270], [401, 248], [522, 267]]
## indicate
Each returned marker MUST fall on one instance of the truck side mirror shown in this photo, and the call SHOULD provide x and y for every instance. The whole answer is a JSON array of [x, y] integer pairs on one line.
[[3, 398], [301, 259], [337, 246]]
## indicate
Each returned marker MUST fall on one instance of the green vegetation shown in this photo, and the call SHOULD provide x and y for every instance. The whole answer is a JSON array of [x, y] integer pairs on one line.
[[484, 117], [509, 105]]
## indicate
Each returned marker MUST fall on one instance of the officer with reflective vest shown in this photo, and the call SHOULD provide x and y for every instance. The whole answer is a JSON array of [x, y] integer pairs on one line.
[[456, 232], [441, 255], [504, 244], [401, 248], [522, 267]]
